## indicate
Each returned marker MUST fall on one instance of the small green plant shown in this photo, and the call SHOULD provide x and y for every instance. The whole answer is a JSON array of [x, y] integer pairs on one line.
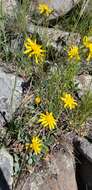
[[21, 16]]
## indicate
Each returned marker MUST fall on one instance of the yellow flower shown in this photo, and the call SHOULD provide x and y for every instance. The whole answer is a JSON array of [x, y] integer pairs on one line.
[[44, 9], [90, 52], [34, 50], [47, 120], [69, 101], [88, 44], [37, 100], [74, 53], [87, 40], [36, 145]]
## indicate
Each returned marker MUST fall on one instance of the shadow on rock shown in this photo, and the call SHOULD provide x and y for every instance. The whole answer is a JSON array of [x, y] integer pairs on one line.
[[3, 182], [83, 165]]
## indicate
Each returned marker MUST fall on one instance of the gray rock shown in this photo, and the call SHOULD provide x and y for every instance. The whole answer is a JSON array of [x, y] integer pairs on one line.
[[83, 164], [6, 166], [9, 100], [61, 7], [84, 82], [57, 172], [53, 37]]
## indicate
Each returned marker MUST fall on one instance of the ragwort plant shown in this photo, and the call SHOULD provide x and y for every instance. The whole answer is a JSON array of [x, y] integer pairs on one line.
[[58, 89]]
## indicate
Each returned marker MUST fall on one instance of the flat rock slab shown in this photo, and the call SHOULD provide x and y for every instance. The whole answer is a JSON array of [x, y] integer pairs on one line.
[[61, 7], [54, 37], [55, 173], [10, 96], [6, 170]]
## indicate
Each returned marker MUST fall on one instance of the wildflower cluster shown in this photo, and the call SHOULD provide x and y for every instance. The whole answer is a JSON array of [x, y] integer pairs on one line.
[[46, 119], [36, 51], [53, 102], [73, 52]]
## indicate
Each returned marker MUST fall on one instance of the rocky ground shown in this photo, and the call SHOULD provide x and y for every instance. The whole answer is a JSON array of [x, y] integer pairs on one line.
[[69, 164]]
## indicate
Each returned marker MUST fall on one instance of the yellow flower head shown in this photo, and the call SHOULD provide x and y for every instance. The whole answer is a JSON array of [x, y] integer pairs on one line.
[[36, 145], [37, 100], [86, 41], [44, 9], [90, 52], [88, 44], [34, 50], [69, 101], [74, 53], [47, 120]]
